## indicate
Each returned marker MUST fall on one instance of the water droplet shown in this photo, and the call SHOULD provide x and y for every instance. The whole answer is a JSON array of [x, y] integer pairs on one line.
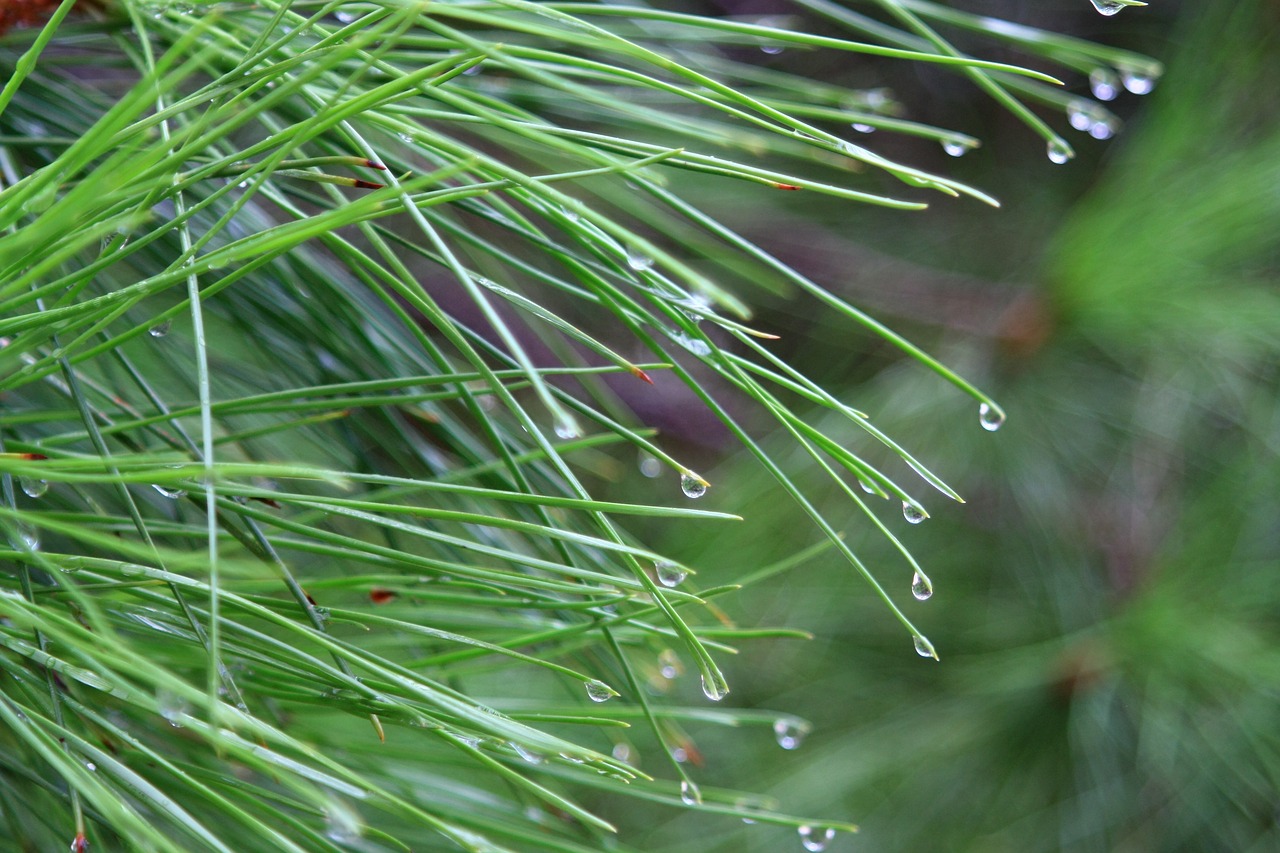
[[913, 513], [24, 537], [571, 215], [669, 574], [342, 823], [472, 71], [921, 587], [1107, 7], [697, 346], [79, 844], [715, 691], [90, 766], [816, 839], [649, 465], [1102, 129], [1136, 83], [692, 485], [991, 417], [33, 487], [159, 330], [867, 487], [771, 49], [863, 128], [679, 755], [954, 147], [924, 648], [1104, 84], [527, 754], [790, 732], [638, 261], [567, 429], [598, 691], [172, 707], [669, 664], [344, 17], [689, 794], [1059, 151], [171, 494], [622, 752], [1080, 115]]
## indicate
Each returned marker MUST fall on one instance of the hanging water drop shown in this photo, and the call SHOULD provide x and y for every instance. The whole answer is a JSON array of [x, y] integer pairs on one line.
[[1136, 83], [638, 261], [567, 429], [863, 128], [344, 17], [649, 465], [669, 664], [789, 732], [689, 794], [921, 587], [954, 147], [172, 707], [159, 330], [622, 752], [1102, 129], [1107, 7], [669, 574], [79, 844], [598, 691], [1059, 151], [24, 537], [342, 823], [771, 49], [715, 691], [913, 513], [990, 417], [33, 487], [1080, 115], [924, 648], [867, 487], [692, 485], [1104, 84], [171, 494], [816, 839]]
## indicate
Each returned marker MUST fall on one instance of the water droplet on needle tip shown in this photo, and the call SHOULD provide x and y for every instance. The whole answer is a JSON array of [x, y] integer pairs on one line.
[[815, 839], [990, 417], [598, 691], [669, 574], [692, 485], [715, 691], [924, 648], [1107, 7]]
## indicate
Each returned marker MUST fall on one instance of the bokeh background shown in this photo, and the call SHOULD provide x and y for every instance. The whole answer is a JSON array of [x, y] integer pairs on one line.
[[1107, 606]]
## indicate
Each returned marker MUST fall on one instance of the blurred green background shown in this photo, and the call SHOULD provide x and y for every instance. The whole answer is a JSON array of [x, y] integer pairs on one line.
[[1107, 608]]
